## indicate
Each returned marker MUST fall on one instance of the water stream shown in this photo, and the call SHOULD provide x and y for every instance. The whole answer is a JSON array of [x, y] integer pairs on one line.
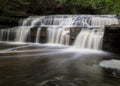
[[58, 30], [55, 62], [31, 64]]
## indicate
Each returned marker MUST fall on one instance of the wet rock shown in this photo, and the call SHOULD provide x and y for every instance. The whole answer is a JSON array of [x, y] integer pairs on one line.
[[42, 37], [111, 40]]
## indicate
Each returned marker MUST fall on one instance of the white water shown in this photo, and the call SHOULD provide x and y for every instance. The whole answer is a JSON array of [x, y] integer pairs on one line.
[[38, 35], [22, 33], [58, 35], [65, 37], [91, 39], [58, 29], [97, 21], [111, 64]]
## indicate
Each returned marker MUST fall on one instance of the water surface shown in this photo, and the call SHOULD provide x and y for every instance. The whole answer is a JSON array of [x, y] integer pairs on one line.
[[54, 65]]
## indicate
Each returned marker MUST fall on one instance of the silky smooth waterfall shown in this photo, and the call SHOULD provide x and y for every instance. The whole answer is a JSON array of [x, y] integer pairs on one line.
[[58, 29], [91, 39], [38, 35]]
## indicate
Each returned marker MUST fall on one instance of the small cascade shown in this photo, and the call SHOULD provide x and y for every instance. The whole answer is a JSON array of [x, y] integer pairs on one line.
[[64, 39], [91, 39], [58, 35], [7, 34], [58, 30], [81, 39], [101, 22], [38, 35], [22, 33]]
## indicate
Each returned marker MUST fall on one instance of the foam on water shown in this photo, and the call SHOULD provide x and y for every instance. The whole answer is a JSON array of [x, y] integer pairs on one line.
[[113, 63]]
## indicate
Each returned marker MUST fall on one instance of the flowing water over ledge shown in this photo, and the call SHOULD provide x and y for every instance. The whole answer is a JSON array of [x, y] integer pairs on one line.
[[23, 64], [57, 29], [52, 64]]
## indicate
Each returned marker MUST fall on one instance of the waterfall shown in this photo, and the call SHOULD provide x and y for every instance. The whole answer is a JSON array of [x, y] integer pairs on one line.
[[91, 39], [57, 35], [81, 39], [7, 34], [65, 37], [58, 30], [22, 33], [53, 34], [38, 35], [98, 21]]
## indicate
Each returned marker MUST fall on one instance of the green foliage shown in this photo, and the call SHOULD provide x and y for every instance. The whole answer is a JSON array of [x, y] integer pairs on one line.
[[3, 4], [73, 6], [26, 2], [73, 11], [61, 1], [102, 6]]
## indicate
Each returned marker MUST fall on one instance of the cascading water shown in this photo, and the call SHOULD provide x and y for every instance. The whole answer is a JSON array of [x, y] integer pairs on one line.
[[91, 39], [58, 35], [33, 64], [101, 22], [58, 29], [8, 34], [38, 35]]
